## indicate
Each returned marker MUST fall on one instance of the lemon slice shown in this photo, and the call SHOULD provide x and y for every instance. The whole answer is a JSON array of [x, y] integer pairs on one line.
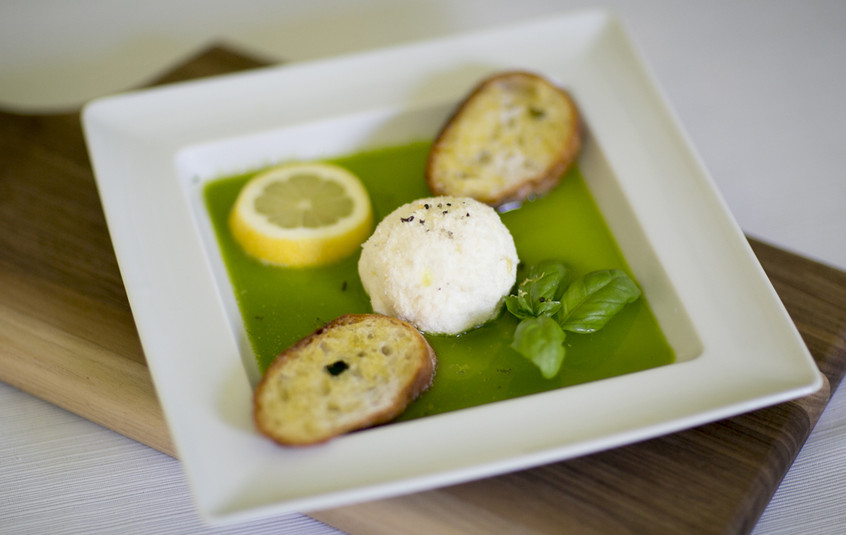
[[300, 215]]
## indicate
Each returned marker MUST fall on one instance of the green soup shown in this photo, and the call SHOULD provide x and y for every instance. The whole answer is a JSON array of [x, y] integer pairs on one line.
[[279, 306]]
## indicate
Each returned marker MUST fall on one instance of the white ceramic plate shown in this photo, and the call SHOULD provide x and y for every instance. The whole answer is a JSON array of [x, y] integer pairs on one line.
[[152, 151]]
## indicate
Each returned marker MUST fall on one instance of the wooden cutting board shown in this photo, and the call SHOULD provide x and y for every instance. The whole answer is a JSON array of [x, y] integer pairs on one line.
[[67, 336]]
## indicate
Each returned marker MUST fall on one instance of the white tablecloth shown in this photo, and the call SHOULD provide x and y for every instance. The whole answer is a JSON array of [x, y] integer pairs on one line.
[[758, 85]]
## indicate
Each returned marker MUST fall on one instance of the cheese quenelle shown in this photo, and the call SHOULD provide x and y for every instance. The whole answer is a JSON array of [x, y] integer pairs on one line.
[[443, 264]]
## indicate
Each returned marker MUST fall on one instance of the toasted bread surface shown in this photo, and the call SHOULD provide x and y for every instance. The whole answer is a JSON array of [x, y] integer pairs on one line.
[[511, 139], [357, 371]]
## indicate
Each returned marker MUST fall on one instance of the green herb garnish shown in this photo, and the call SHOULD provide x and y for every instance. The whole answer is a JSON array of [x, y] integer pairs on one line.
[[337, 368], [549, 306]]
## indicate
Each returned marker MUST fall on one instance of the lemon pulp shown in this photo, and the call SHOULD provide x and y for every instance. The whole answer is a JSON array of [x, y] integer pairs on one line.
[[302, 215]]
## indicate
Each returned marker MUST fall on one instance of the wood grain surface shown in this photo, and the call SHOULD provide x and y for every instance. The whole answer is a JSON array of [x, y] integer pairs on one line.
[[67, 336]]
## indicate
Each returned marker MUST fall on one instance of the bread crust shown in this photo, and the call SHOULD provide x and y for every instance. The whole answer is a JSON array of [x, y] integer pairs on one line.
[[531, 184], [411, 384]]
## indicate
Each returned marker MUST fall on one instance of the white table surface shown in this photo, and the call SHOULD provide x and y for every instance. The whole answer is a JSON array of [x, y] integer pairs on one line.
[[758, 85]]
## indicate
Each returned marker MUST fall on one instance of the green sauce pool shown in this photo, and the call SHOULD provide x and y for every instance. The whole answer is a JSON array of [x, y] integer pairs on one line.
[[279, 305]]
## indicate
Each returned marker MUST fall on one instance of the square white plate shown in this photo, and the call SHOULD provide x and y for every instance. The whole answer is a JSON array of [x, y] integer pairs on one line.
[[153, 150]]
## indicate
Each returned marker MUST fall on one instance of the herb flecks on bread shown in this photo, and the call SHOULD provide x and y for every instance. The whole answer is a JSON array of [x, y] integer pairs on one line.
[[357, 371], [511, 139]]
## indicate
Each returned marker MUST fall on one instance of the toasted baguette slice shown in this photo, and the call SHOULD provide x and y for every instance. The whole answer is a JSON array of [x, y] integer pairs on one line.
[[357, 371], [512, 138]]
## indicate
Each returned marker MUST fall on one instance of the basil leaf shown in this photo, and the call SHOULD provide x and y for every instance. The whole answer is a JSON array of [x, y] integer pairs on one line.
[[541, 340], [542, 289], [546, 308], [517, 305], [592, 300], [552, 279], [538, 294]]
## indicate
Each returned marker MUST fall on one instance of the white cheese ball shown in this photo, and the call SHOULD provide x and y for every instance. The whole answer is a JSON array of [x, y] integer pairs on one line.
[[443, 264]]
